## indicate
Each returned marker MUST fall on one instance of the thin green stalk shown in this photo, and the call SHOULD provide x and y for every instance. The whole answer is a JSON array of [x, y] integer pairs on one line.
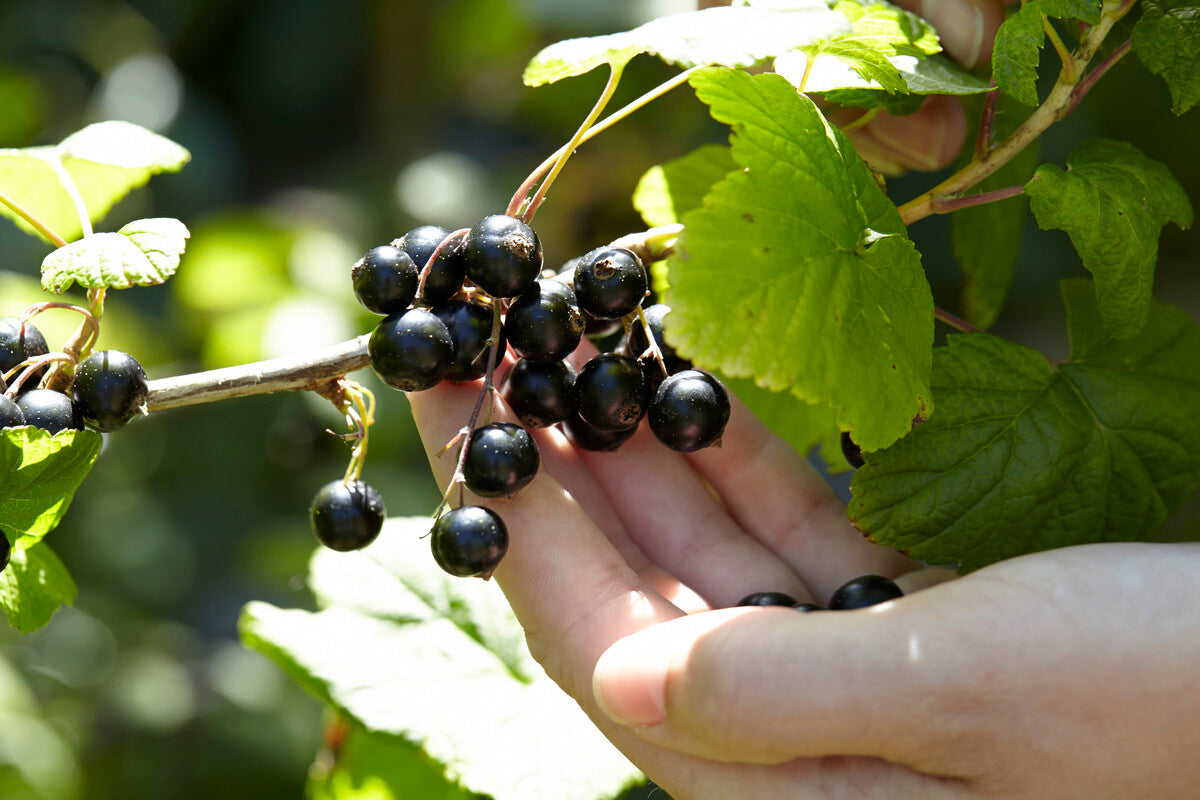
[[36, 223]]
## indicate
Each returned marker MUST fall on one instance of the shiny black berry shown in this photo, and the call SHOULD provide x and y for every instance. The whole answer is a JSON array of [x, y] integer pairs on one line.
[[808, 608], [544, 323], [110, 389], [470, 326], [689, 411], [385, 279], [851, 451], [866, 591], [20, 341], [347, 516], [588, 437], [5, 551], [11, 415], [767, 599], [540, 394], [448, 270], [503, 255], [411, 351], [611, 393], [501, 459], [610, 282], [638, 343], [50, 410], [469, 541]]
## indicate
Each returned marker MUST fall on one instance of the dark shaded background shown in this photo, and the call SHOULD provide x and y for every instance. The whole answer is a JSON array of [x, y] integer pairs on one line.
[[319, 129]]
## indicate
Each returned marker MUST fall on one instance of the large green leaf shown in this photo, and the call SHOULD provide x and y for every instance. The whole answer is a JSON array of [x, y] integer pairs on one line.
[[32, 587], [1167, 40], [1023, 455], [734, 37], [830, 73], [1113, 202], [669, 190], [403, 649], [144, 252], [372, 766], [105, 161], [39, 474], [797, 271], [1018, 43]]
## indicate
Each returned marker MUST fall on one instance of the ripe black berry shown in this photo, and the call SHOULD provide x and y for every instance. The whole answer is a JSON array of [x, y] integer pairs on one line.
[[347, 516], [503, 255], [588, 437], [807, 608], [469, 541], [411, 351], [19, 341], [866, 591], [448, 269], [50, 410], [767, 599], [11, 415], [689, 411], [540, 394], [385, 279], [611, 392], [470, 326], [851, 451], [5, 551], [544, 323], [638, 343], [109, 389], [610, 282], [501, 459]]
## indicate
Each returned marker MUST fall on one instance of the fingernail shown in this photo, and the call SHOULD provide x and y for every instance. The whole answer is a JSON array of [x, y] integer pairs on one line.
[[630, 685]]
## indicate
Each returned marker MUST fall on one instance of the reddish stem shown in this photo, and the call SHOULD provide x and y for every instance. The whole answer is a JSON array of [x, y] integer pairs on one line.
[[955, 322], [946, 205]]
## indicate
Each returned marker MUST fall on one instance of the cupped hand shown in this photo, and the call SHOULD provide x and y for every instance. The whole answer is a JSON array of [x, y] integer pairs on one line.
[[1064, 674]]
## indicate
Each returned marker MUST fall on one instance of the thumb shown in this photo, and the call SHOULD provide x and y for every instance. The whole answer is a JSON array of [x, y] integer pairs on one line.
[[768, 685]]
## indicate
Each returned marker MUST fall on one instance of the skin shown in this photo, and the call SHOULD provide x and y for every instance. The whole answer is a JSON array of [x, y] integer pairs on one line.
[[1065, 674]]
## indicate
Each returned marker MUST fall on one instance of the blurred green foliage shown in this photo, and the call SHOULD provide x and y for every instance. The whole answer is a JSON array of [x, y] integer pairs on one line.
[[319, 129]]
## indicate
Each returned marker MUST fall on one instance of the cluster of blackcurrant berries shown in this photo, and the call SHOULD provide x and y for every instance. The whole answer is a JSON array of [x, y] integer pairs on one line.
[[453, 302], [107, 390], [868, 590]]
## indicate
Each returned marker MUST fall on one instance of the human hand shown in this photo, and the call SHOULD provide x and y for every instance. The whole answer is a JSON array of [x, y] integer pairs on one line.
[[1063, 674]]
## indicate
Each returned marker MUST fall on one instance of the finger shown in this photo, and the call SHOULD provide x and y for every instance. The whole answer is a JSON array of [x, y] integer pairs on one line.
[[966, 28], [929, 139], [777, 496]]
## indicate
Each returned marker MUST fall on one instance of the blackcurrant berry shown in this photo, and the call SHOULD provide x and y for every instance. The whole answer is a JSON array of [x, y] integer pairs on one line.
[[540, 394], [385, 279], [469, 541], [448, 270], [851, 451], [50, 410], [610, 282], [5, 551], [110, 389], [470, 326], [808, 608], [611, 393], [638, 344], [544, 323], [411, 351], [767, 599], [866, 591], [501, 459], [20, 341], [689, 411], [347, 516], [11, 415], [503, 255], [587, 437]]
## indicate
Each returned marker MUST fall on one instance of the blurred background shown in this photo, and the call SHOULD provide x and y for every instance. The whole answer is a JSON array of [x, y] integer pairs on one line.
[[319, 129]]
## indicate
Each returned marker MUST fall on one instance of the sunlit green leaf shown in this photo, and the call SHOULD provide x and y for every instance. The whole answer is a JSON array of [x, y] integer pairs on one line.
[[39, 474], [143, 253], [669, 190], [33, 586]]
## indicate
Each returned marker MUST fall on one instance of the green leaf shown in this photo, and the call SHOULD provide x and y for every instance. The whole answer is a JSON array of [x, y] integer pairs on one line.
[[1167, 40], [143, 253], [933, 75], [1016, 52], [987, 238], [797, 272], [898, 105], [1113, 202], [669, 190], [889, 30], [33, 586], [734, 37], [106, 161], [39, 474], [1083, 10], [403, 649], [1024, 456], [379, 767]]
